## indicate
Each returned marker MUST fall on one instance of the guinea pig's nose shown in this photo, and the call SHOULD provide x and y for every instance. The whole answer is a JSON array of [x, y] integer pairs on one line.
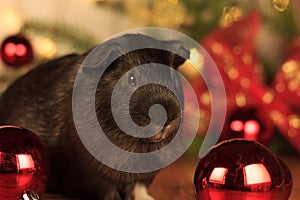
[[168, 131]]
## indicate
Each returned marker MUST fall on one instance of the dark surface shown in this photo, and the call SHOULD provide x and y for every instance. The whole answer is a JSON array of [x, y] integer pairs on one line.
[[176, 181]]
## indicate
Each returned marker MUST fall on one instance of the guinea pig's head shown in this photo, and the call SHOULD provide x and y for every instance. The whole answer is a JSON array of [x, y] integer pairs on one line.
[[148, 75]]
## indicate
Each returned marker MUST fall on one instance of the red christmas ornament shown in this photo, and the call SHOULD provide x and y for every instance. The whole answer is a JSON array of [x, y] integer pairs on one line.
[[16, 51], [288, 179], [23, 163], [239, 169]]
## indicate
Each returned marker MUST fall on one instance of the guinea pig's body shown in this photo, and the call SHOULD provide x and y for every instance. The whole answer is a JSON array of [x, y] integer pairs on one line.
[[41, 101]]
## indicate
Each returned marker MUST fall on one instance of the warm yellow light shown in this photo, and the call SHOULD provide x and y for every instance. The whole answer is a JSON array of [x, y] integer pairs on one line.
[[205, 98], [240, 100], [268, 97], [173, 1], [294, 121], [196, 58], [247, 58], [290, 67], [245, 82], [191, 68], [217, 47], [293, 85], [10, 20], [277, 117], [46, 48], [232, 73]]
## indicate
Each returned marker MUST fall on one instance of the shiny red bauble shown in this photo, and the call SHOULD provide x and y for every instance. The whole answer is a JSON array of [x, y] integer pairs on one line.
[[288, 179], [23, 163], [16, 51], [239, 169]]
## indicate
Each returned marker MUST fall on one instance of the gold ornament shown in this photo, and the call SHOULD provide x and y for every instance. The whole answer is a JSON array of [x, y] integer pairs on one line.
[[280, 5], [230, 15]]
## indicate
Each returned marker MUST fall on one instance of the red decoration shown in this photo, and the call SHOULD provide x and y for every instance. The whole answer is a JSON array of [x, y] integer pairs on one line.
[[287, 80], [286, 116], [232, 49], [288, 179], [16, 51], [23, 163], [239, 169]]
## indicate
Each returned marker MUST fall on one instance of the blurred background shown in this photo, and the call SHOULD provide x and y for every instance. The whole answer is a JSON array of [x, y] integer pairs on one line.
[[57, 27]]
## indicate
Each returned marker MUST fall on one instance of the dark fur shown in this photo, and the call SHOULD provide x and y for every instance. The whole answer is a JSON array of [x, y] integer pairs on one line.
[[41, 102]]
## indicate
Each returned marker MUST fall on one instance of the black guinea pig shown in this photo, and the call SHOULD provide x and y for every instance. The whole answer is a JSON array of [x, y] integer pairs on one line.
[[41, 101]]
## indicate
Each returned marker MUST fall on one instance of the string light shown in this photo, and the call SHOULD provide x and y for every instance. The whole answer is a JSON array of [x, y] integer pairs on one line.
[[240, 99], [45, 47], [10, 20]]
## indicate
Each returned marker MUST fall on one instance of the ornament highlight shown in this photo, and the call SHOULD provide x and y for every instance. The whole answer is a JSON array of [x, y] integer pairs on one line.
[[239, 169], [30, 196], [23, 163]]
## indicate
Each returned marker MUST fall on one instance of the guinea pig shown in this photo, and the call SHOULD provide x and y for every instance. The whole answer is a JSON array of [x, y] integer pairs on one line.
[[41, 101]]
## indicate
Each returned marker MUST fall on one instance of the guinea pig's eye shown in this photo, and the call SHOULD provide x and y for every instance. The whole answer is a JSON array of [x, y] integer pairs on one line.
[[132, 79]]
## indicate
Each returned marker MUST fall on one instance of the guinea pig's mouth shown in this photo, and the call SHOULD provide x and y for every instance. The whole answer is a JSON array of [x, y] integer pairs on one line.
[[167, 132]]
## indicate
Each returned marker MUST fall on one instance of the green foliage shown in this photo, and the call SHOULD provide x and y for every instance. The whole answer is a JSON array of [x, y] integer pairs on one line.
[[206, 15], [79, 40]]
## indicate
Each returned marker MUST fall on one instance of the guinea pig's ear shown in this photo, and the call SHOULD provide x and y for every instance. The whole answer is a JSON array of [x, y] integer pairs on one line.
[[101, 57], [180, 53]]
